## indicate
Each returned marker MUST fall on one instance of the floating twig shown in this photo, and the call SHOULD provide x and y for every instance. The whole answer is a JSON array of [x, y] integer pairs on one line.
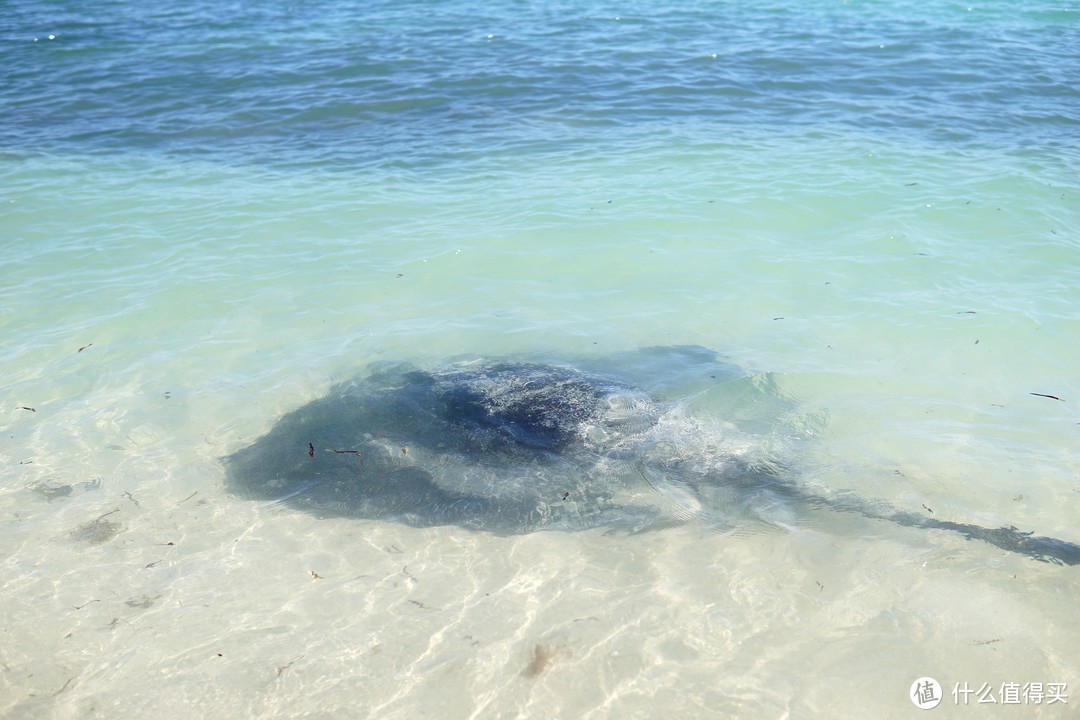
[[421, 605], [285, 667], [1052, 397], [69, 681]]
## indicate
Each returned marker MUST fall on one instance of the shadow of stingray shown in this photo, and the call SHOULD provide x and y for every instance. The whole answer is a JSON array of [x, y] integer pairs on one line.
[[500, 446], [512, 446]]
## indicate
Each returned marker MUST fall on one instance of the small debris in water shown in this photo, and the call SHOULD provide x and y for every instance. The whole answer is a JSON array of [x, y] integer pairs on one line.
[[315, 575], [283, 668], [927, 509], [1052, 397], [146, 602], [310, 450], [421, 605], [70, 679], [25, 407], [51, 490], [99, 531], [542, 657], [84, 347]]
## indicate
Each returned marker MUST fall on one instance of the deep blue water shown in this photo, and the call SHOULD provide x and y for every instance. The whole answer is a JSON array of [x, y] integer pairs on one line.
[[407, 84]]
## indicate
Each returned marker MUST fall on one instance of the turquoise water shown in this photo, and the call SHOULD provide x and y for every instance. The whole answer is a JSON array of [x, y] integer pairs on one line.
[[212, 213]]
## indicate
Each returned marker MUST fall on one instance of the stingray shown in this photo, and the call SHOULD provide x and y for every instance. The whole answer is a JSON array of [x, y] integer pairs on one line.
[[514, 445]]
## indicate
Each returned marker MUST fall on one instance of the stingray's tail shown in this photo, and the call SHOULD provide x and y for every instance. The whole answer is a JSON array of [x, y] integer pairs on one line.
[[757, 478], [1045, 549]]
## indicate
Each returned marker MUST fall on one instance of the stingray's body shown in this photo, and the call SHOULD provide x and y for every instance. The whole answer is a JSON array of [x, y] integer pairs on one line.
[[513, 446]]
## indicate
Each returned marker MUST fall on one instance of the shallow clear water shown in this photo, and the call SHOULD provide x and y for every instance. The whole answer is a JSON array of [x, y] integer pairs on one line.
[[213, 213]]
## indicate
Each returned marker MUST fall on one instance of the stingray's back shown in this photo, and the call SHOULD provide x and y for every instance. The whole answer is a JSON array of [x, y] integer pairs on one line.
[[539, 407]]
